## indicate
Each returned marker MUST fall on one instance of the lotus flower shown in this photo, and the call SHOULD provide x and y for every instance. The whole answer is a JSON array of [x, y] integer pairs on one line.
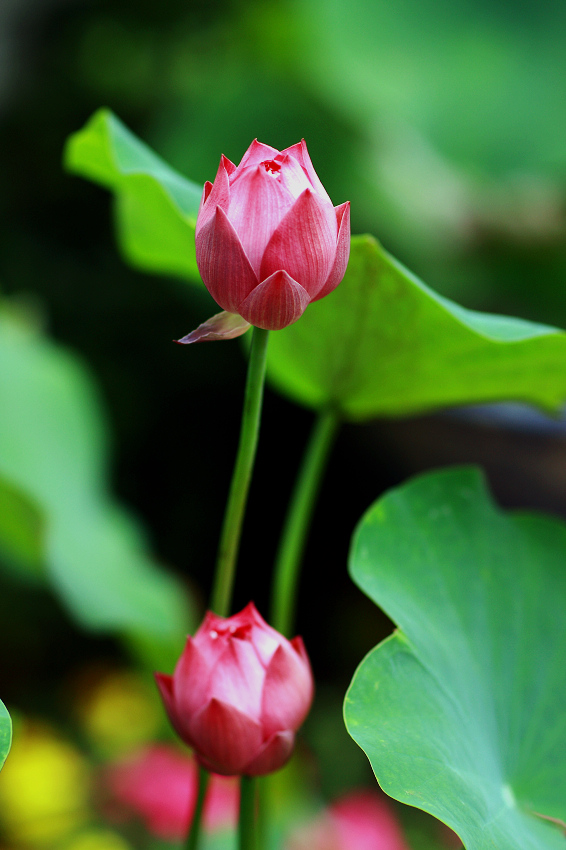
[[239, 692], [361, 820], [268, 240], [159, 785]]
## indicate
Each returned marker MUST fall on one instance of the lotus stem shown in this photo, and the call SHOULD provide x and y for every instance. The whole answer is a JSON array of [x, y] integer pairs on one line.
[[221, 600]]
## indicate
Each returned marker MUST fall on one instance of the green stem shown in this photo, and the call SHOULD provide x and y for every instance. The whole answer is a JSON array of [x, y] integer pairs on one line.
[[297, 522], [194, 831], [247, 822], [263, 811], [241, 477]]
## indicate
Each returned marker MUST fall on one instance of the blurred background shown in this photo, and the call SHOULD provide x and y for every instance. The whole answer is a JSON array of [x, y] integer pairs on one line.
[[442, 122]]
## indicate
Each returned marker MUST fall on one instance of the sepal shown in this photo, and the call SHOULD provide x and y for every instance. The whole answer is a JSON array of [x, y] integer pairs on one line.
[[221, 326]]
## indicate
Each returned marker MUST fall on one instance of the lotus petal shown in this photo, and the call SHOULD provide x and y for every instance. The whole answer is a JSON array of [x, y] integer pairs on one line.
[[275, 303]]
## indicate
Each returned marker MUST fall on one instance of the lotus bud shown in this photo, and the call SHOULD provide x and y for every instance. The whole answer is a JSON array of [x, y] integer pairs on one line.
[[239, 693], [268, 239]]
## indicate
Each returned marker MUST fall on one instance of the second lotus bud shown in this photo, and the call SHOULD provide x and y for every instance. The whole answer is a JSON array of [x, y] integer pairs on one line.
[[239, 693]]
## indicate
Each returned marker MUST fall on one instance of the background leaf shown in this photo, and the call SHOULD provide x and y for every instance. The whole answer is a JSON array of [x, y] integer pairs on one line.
[[384, 344], [5, 733], [156, 208], [22, 527], [52, 449], [461, 712]]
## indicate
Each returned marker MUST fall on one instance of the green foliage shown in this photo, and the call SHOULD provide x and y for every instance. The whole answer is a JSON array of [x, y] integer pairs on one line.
[[461, 711], [459, 73], [5, 733], [22, 527], [52, 453], [384, 344], [155, 207]]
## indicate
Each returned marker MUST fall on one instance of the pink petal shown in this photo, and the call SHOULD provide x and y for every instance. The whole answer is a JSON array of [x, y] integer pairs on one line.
[[277, 302], [275, 753], [299, 647], [230, 167], [166, 689], [165, 685], [212, 637], [222, 262], [217, 196], [304, 243], [210, 621], [293, 175], [219, 327], [287, 691], [265, 641], [249, 614], [158, 784], [263, 637], [247, 617], [365, 820], [342, 251], [215, 633], [256, 153], [205, 193], [300, 152], [237, 678], [258, 201], [225, 739], [190, 681]]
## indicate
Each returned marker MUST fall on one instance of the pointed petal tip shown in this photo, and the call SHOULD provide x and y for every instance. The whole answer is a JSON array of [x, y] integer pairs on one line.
[[251, 611], [257, 152], [275, 753], [218, 195], [342, 257], [228, 164], [278, 301], [163, 680]]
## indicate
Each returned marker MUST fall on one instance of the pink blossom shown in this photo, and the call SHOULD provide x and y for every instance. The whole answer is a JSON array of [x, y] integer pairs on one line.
[[239, 692], [362, 820], [159, 785], [268, 239]]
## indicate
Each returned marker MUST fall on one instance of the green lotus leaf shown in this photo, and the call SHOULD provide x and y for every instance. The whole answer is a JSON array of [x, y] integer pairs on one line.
[[22, 531], [5, 733], [384, 344], [53, 453], [461, 710], [155, 206]]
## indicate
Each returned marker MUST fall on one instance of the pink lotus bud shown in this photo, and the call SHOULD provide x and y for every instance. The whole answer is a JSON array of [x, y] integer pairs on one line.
[[158, 784], [268, 240], [239, 692]]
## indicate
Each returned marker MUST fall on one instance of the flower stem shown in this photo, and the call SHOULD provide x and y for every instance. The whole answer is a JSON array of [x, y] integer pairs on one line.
[[247, 822], [241, 477], [297, 522], [194, 831]]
